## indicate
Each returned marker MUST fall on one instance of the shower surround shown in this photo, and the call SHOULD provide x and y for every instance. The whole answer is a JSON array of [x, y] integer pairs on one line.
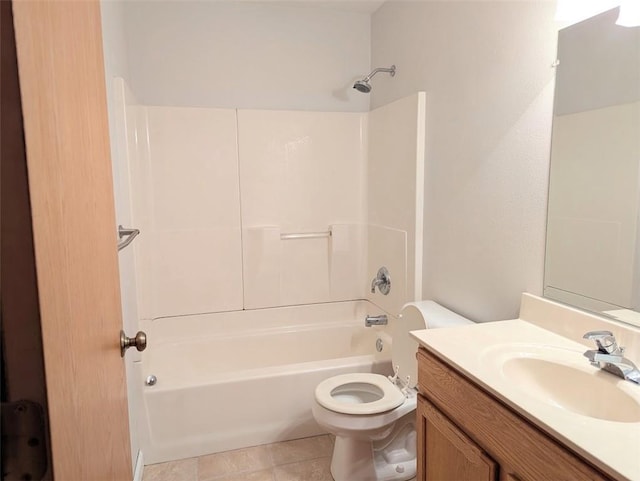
[[244, 212], [216, 189]]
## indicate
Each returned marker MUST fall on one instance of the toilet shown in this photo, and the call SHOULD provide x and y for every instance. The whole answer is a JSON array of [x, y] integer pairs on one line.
[[373, 416]]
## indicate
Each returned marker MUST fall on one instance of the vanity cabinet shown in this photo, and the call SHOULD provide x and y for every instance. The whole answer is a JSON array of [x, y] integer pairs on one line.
[[465, 433]]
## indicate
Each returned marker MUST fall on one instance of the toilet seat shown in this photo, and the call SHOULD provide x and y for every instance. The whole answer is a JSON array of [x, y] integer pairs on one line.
[[359, 393]]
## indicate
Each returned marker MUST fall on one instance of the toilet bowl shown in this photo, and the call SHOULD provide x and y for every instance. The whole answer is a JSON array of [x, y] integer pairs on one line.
[[373, 416]]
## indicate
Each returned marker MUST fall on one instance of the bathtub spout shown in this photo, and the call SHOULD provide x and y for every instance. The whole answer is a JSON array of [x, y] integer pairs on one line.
[[380, 320]]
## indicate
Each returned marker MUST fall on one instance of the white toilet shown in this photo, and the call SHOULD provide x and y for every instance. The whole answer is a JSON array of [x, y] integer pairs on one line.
[[373, 416]]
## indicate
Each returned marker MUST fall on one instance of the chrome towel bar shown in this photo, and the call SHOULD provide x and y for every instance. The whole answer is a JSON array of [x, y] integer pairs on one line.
[[130, 234]]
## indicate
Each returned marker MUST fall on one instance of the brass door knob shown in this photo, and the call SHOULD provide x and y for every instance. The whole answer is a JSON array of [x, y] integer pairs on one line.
[[140, 342]]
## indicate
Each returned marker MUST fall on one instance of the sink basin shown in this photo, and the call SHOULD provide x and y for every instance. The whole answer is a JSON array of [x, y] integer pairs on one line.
[[565, 379]]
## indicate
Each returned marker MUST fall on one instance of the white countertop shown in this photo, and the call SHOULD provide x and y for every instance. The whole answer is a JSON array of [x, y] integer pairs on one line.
[[479, 351]]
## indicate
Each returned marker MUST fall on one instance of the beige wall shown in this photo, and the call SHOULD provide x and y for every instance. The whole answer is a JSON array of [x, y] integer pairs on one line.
[[486, 70]]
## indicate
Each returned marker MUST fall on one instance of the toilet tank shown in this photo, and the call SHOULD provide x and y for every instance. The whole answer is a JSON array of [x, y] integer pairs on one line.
[[415, 316]]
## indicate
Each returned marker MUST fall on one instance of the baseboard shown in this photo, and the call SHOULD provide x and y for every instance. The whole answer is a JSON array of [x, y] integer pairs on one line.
[[139, 469]]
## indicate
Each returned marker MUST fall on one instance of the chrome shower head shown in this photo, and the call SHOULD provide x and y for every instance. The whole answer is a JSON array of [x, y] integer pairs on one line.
[[364, 86]]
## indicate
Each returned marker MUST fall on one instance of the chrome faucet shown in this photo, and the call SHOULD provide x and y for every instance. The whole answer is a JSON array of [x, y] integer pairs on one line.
[[609, 356], [380, 320], [382, 281]]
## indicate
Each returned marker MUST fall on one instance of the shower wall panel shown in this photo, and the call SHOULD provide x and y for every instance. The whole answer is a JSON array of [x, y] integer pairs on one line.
[[187, 204], [302, 172], [214, 192], [224, 199], [395, 182]]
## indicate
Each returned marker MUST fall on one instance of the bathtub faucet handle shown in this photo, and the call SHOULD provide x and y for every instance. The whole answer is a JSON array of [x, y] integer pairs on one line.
[[382, 281]]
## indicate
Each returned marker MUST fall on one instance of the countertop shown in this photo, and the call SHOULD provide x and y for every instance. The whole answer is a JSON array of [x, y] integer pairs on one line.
[[479, 350]]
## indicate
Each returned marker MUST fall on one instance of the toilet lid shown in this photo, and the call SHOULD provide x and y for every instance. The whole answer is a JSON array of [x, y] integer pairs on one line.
[[403, 351], [359, 393]]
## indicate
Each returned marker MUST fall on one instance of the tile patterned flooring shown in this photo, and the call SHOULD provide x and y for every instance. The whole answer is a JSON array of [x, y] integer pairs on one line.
[[307, 459]]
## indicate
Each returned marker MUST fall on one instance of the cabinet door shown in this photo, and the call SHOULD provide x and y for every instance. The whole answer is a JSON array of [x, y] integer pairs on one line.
[[447, 454]]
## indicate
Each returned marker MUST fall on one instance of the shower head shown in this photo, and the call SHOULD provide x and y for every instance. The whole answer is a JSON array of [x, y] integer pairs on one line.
[[364, 86]]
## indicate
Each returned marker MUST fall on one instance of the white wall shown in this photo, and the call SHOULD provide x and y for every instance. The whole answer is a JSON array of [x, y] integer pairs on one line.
[[242, 55], [485, 67]]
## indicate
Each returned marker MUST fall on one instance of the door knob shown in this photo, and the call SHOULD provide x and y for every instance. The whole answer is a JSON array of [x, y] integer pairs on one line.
[[140, 342]]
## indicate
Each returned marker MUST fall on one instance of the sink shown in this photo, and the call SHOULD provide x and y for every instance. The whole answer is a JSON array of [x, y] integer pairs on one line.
[[565, 379]]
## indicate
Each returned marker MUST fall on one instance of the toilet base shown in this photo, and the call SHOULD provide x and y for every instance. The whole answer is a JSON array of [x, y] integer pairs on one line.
[[352, 460], [390, 459]]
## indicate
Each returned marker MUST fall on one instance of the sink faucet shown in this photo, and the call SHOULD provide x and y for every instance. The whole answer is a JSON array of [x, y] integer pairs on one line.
[[609, 356]]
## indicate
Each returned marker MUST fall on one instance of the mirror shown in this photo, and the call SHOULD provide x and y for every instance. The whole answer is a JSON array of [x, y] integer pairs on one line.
[[593, 228]]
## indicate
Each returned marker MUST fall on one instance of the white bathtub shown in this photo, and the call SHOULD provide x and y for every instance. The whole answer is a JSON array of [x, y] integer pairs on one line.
[[237, 379]]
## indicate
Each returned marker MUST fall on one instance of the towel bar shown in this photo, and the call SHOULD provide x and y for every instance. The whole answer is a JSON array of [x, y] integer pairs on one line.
[[130, 234]]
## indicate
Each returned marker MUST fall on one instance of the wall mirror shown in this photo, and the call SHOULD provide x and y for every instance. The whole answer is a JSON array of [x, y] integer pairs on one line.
[[593, 229]]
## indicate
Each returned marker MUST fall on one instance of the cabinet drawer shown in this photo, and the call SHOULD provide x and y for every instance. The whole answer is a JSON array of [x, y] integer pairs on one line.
[[522, 450]]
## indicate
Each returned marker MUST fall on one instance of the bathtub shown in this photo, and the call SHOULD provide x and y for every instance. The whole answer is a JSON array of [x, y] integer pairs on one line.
[[238, 379]]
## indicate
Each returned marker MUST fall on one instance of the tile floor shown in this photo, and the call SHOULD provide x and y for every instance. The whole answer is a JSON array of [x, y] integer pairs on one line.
[[305, 459]]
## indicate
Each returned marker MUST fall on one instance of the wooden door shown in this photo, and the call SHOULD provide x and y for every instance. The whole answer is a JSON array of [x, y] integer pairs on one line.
[[62, 85], [445, 453]]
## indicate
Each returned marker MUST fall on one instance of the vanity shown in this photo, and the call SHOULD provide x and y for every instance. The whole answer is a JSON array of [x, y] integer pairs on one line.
[[513, 400]]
